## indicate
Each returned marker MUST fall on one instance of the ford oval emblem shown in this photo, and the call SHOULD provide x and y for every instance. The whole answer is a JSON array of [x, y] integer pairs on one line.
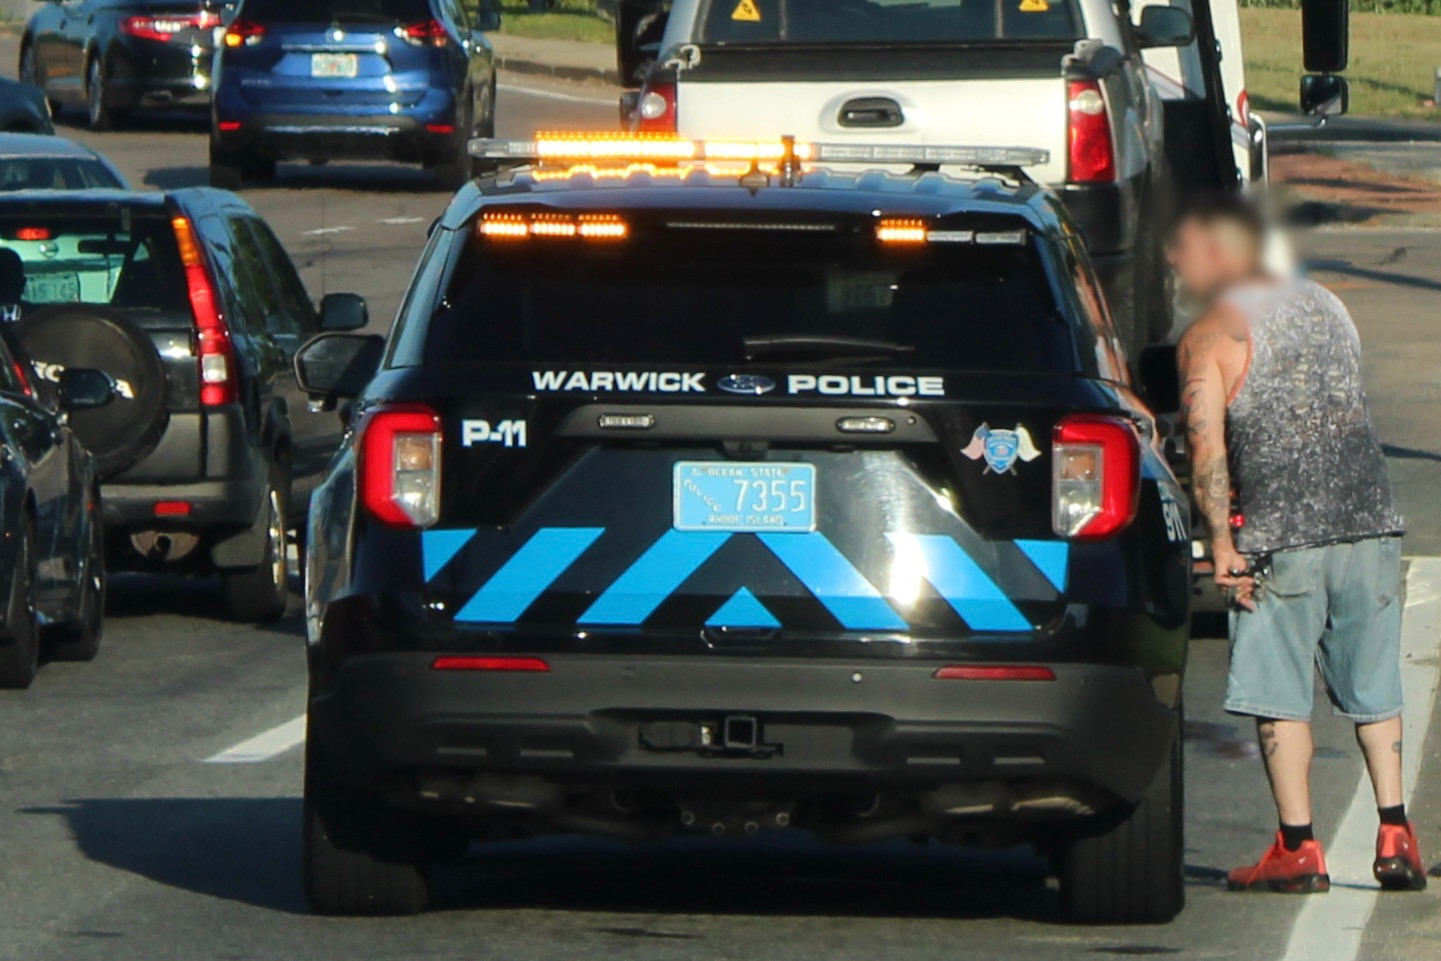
[[746, 384]]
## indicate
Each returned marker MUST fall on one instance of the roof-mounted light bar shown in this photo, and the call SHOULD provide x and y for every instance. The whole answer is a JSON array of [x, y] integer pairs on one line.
[[640, 148]]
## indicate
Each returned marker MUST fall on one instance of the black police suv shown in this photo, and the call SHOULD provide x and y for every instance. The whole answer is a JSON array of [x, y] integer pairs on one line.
[[52, 557], [115, 56], [189, 302], [689, 498]]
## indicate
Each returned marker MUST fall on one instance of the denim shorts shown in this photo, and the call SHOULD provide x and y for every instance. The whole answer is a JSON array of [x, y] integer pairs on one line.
[[1336, 606]]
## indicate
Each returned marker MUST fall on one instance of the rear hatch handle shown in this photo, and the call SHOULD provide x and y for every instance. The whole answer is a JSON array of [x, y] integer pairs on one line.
[[870, 112]]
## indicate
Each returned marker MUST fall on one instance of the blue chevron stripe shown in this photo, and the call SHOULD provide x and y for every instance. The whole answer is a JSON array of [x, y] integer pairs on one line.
[[834, 581], [653, 577], [438, 547], [523, 578], [742, 610], [1052, 558], [960, 580]]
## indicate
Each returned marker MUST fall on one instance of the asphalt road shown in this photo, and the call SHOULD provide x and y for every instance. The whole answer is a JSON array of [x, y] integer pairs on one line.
[[120, 840]]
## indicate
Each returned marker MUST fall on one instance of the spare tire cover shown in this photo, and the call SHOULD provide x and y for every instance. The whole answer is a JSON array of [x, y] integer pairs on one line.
[[62, 336]]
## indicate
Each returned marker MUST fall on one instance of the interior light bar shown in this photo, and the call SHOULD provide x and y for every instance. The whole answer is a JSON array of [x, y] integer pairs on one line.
[[519, 225], [631, 147]]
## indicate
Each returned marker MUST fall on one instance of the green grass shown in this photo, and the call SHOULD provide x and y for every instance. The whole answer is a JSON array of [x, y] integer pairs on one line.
[[1393, 61], [571, 20]]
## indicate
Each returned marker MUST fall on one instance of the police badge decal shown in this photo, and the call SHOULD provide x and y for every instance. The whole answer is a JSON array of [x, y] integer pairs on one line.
[[1001, 448]]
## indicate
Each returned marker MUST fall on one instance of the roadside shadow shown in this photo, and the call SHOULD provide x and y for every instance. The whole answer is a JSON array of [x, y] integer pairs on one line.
[[1348, 269], [133, 595], [360, 177], [1409, 453], [173, 120], [237, 849]]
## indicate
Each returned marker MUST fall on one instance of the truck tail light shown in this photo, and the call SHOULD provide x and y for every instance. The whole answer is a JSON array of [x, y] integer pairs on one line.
[[1092, 153], [655, 108], [217, 356], [399, 465], [1096, 464], [243, 32]]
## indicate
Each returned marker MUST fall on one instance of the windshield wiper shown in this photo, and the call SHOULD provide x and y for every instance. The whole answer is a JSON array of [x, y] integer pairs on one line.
[[821, 345]]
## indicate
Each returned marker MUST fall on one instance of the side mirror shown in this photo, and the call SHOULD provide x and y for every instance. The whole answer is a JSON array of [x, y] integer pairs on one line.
[[343, 312], [85, 388], [487, 17], [1160, 381], [1324, 31], [639, 28], [1325, 95], [334, 366], [1165, 27]]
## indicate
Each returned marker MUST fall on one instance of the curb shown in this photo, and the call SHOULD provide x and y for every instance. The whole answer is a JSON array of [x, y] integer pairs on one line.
[[560, 71]]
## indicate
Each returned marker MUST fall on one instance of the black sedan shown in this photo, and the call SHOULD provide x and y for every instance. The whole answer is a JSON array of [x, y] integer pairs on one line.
[[40, 162], [23, 108], [113, 56], [52, 566]]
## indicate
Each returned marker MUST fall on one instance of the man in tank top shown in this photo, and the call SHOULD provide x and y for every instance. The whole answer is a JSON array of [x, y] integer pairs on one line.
[[1275, 416]]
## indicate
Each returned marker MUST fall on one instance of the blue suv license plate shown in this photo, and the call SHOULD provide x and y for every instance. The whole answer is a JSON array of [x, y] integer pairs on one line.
[[743, 496]]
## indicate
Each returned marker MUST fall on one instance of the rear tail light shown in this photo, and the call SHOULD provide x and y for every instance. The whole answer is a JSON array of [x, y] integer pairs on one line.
[[246, 32], [162, 28], [32, 233], [400, 465], [217, 356], [1092, 154], [1096, 476], [425, 33], [995, 672], [489, 662], [655, 108]]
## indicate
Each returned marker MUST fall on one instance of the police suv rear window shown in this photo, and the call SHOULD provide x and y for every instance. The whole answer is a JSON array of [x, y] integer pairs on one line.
[[733, 297], [887, 21]]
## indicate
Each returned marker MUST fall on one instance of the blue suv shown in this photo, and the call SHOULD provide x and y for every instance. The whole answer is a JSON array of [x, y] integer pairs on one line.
[[408, 80]]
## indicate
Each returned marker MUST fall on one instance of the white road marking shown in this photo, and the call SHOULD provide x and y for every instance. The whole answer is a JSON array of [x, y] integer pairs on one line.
[[397, 221], [321, 231], [558, 95], [264, 746], [1330, 927]]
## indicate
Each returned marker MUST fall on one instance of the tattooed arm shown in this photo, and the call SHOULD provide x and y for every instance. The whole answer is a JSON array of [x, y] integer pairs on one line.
[[1203, 353]]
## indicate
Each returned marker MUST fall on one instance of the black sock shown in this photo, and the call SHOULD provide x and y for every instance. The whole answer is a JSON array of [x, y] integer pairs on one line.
[[1393, 815], [1294, 835]]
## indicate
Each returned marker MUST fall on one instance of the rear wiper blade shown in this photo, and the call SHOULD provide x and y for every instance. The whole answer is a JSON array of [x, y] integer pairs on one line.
[[360, 16], [818, 345]]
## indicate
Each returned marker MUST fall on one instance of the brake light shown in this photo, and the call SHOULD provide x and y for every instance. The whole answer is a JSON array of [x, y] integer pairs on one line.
[[246, 32], [1096, 476], [995, 672], [217, 356], [163, 28], [655, 108], [1092, 154], [482, 662], [400, 465], [425, 33], [32, 233]]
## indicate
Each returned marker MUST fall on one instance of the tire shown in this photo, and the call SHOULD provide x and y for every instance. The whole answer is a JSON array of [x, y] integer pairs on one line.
[[258, 594], [455, 172], [20, 652], [79, 639], [98, 114], [127, 429], [358, 857], [1132, 871]]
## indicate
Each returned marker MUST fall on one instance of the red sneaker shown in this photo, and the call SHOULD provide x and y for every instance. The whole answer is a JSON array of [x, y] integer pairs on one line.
[[1302, 871], [1398, 859]]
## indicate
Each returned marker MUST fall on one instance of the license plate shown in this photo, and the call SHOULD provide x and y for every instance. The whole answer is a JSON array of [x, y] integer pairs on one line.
[[334, 65], [741, 496], [52, 288]]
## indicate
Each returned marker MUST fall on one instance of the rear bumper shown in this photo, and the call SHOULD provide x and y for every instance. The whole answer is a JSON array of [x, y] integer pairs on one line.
[[824, 725], [308, 135]]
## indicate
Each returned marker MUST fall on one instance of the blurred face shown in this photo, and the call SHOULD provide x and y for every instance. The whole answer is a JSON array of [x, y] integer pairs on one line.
[[1209, 257]]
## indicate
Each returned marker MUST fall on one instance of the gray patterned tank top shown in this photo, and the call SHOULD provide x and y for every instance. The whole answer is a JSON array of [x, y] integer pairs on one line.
[[1304, 457]]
